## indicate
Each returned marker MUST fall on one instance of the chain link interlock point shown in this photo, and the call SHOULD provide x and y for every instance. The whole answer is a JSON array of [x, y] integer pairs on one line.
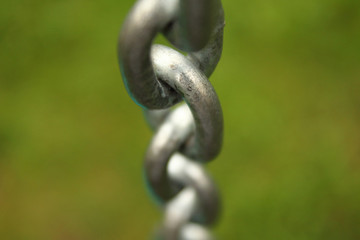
[[157, 77]]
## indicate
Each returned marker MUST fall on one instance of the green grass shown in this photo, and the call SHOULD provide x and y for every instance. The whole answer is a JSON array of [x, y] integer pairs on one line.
[[72, 141]]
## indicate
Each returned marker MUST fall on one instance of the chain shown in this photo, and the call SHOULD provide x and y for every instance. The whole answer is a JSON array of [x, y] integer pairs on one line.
[[158, 77]]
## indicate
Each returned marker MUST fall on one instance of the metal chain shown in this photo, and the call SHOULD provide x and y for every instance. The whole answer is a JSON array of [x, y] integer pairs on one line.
[[157, 77]]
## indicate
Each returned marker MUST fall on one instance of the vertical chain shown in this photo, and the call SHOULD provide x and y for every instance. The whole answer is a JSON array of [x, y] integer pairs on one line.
[[158, 77]]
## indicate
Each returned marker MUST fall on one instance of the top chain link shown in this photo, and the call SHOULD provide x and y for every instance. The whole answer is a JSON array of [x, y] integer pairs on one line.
[[157, 77]]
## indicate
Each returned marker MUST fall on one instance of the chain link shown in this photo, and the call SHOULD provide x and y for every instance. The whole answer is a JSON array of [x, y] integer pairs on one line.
[[158, 77]]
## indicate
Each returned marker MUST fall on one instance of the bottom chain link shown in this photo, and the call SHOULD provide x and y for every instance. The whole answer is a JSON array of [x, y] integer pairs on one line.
[[193, 203]]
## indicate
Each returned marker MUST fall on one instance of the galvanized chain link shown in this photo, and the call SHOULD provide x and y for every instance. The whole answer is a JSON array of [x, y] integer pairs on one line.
[[157, 77]]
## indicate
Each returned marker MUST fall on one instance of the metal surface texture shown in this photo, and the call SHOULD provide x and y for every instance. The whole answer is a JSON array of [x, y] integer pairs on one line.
[[187, 136]]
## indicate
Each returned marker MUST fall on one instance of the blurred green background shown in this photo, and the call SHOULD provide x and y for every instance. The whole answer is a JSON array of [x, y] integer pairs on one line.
[[72, 141]]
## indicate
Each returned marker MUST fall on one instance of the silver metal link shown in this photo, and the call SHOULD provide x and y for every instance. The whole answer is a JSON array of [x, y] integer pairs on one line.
[[189, 173], [193, 24], [144, 22], [200, 96], [157, 77]]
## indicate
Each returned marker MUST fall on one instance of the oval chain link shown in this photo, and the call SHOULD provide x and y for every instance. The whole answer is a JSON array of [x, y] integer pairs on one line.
[[158, 77]]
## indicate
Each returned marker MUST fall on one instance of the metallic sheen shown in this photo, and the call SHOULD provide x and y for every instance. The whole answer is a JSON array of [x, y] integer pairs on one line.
[[186, 136]]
